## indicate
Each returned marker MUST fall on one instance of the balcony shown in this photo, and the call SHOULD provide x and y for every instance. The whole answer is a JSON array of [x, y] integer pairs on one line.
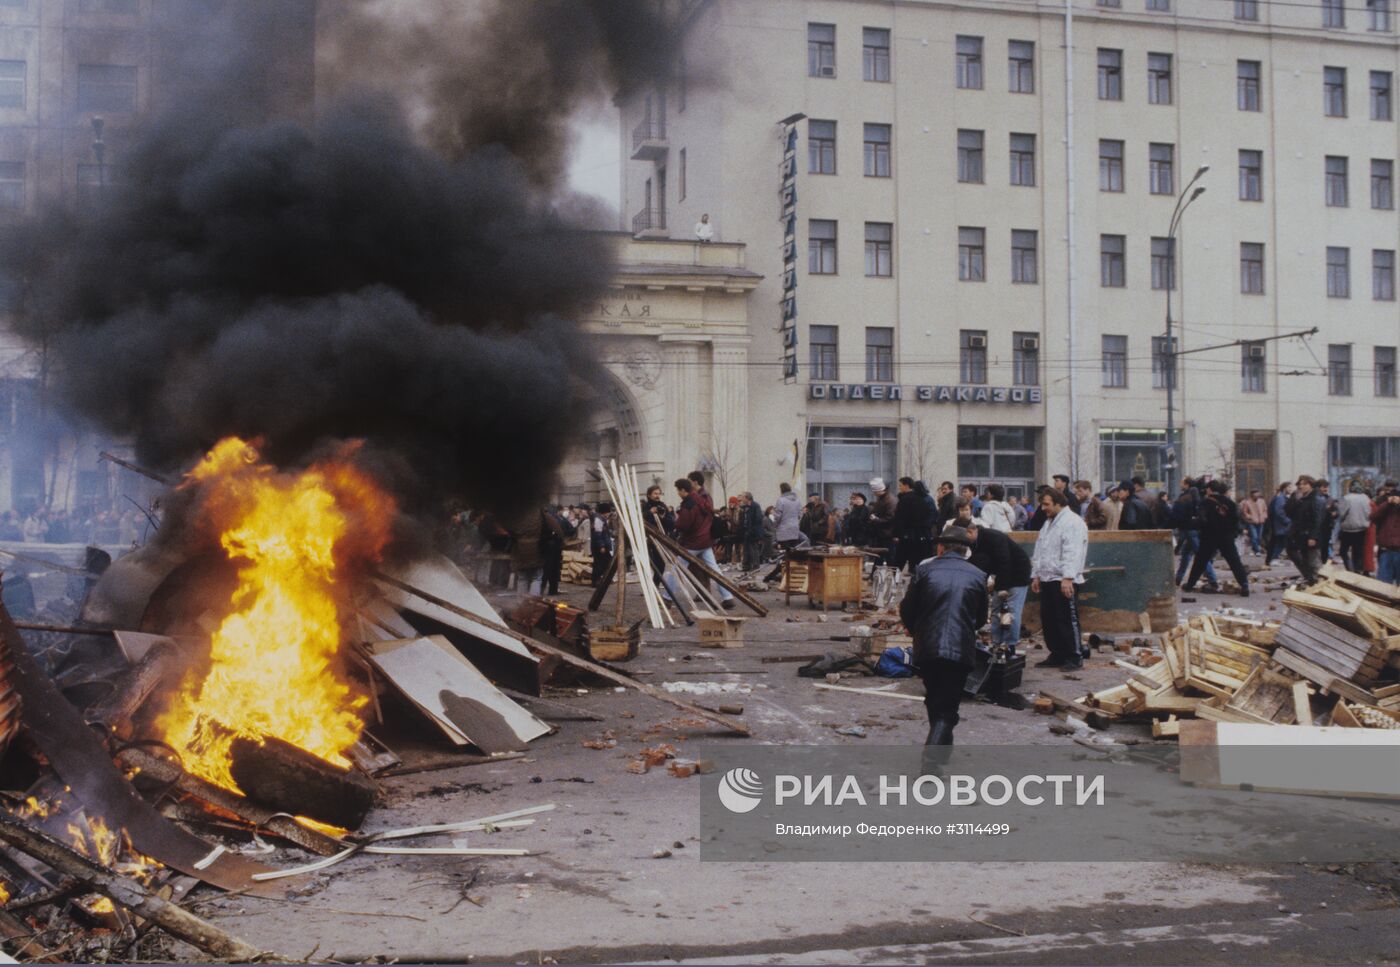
[[649, 223], [649, 141]]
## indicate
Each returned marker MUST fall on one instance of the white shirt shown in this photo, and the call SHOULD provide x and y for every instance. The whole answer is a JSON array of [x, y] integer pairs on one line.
[[1060, 548], [998, 515], [704, 231]]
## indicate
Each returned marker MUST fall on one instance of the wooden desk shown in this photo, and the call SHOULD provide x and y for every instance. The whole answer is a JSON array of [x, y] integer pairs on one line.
[[828, 578]]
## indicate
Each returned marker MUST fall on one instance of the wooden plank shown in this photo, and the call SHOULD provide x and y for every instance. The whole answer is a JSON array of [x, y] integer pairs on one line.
[[868, 691], [695, 562], [1332, 639], [1168, 729], [569, 658], [1360, 583], [1322, 677], [1341, 715], [1302, 708]]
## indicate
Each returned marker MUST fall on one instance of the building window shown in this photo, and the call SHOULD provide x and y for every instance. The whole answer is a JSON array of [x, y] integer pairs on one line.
[[877, 150], [1383, 274], [1114, 4], [840, 459], [1110, 74], [972, 254], [1114, 361], [106, 88], [879, 354], [1024, 260], [94, 184], [1006, 454], [1385, 370], [1382, 184], [1338, 272], [1163, 363], [1252, 358], [1335, 181], [823, 341], [12, 79], [11, 186], [970, 62], [970, 156], [1334, 13], [1021, 64], [1380, 95], [1159, 169], [1252, 268], [1246, 9], [1334, 92], [875, 54], [1110, 165], [821, 147], [821, 50], [1162, 5], [1339, 369], [1023, 160], [127, 8], [1251, 175], [1159, 78], [1247, 85], [821, 246], [1112, 261], [1025, 359], [972, 344], [1379, 15], [1163, 263], [680, 185], [879, 249]]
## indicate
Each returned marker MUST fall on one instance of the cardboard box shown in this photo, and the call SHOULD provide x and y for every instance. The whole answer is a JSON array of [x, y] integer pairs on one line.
[[719, 631]]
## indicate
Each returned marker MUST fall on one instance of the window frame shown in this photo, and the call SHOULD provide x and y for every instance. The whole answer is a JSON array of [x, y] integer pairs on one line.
[[1248, 90], [1166, 362], [972, 360], [1020, 70], [879, 252], [1338, 272], [1111, 166], [16, 81], [821, 149], [821, 54], [1022, 161], [879, 357], [1252, 268], [1335, 169], [1253, 369], [873, 63], [972, 254], [1251, 175], [1339, 369], [1382, 184], [1383, 371], [1020, 259], [824, 358], [1111, 260], [1382, 275], [969, 74], [1382, 95], [1163, 263], [1110, 74], [1161, 172], [1025, 363], [1159, 78], [1334, 92], [877, 150], [1113, 362], [970, 157], [819, 247]]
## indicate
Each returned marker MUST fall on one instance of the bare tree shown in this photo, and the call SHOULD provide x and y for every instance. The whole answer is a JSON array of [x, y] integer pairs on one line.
[[1225, 461], [918, 450], [719, 461]]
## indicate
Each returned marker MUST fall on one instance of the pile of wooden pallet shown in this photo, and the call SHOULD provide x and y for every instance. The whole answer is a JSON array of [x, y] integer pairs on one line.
[[578, 567], [1334, 660]]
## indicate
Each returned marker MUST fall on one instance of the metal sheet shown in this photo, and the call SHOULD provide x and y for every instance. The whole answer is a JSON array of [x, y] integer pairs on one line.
[[76, 753]]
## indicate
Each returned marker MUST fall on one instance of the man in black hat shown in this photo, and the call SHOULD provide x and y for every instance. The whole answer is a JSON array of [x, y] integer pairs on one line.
[[945, 605]]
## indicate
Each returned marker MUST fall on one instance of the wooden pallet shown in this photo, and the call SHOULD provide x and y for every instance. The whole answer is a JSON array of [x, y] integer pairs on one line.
[[1331, 647]]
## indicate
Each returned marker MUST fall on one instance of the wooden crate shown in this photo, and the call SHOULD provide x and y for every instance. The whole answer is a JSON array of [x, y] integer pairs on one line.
[[719, 631], [1347, 656], [619, 643]]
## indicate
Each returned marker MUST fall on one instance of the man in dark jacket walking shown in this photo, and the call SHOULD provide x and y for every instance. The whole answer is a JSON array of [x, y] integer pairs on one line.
[[1137, 513], [1186, 521], [945, 605], [858, 531], [1009, 567], [1218, 522], [914, 517], [751, 530], [1310, 529], [694, 518]]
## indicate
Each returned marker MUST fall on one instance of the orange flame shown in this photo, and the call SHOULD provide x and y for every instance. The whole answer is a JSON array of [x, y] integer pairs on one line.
[[274, 659]]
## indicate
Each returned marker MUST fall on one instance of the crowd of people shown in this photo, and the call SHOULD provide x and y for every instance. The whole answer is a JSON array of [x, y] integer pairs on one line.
[[44, 526]]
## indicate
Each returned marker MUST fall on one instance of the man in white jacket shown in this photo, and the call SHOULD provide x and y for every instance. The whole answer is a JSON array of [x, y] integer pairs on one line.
[[1057, 566], [996, 513]]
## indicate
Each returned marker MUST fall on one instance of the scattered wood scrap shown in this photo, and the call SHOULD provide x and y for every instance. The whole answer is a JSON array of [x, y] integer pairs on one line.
[[1331, 661]]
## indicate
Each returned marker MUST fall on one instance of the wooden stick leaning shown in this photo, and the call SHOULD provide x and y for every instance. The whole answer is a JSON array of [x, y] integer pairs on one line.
[[704, 568], [128, 893], [636, 533], [622, 501], [568, 657]]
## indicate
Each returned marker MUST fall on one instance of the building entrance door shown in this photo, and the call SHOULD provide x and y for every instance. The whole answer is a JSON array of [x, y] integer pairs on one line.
[[1254, 462]]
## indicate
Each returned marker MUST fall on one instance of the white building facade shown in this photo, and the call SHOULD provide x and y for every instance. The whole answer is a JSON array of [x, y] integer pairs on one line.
[[978, 250]]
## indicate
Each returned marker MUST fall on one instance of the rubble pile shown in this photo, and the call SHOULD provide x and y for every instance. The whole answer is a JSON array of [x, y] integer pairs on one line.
[[1333, 660]]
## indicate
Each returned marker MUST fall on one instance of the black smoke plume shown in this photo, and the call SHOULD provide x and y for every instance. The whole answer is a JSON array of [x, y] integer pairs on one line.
[[398, 272]]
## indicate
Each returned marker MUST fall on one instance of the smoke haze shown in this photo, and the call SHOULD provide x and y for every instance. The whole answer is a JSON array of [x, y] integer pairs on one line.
[[402, 269]]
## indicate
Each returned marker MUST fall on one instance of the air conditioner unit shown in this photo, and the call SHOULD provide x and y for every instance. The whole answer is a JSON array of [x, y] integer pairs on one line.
[[1030, 342], [1256, 352], [977, 342], [828, 71]]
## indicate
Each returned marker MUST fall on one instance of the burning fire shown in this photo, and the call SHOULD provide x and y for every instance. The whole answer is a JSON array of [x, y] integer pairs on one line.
[[273, 667]]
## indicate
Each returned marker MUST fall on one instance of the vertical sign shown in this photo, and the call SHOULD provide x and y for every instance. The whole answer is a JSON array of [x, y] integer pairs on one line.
[[788, 195]]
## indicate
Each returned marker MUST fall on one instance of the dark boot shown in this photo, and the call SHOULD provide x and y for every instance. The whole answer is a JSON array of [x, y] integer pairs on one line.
[[940, 733]]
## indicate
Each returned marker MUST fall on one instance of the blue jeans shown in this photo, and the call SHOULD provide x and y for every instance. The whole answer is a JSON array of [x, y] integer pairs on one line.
[[707, 556], [1190, 544], [1255, 532], [1015, 603], [1388, 566]]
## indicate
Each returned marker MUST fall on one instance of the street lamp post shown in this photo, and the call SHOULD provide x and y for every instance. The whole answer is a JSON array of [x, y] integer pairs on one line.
[[1169, 356]]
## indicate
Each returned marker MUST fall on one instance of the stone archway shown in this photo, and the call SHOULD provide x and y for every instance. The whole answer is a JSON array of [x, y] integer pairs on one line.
[[614, 431]]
